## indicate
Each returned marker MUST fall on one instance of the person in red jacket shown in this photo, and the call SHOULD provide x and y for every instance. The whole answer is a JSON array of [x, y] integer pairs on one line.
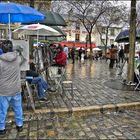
[[60, 58]]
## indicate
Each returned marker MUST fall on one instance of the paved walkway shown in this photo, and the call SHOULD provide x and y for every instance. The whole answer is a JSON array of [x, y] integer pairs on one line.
[[91, 93], [90, 89]]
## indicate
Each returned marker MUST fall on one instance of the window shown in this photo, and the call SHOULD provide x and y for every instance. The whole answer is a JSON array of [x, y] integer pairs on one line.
[[77, 37], [112, 32], [77, 26], [111, 41]]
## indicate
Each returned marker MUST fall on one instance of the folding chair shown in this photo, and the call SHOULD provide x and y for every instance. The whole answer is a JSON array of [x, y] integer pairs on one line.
[[57, 74], [28, 90]]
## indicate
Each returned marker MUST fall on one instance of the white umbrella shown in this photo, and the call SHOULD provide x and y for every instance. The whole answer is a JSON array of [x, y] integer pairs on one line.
[[96, 49], [34, 29], [79, 48], [37, 29]]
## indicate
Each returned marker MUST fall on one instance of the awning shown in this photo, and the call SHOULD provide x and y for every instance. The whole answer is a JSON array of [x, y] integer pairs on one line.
[[77, 44]]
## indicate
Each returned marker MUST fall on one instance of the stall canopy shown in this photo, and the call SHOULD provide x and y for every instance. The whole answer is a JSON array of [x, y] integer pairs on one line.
[[77, 44]]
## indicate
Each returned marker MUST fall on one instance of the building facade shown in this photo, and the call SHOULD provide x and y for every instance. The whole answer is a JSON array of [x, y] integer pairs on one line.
[[76, 32]]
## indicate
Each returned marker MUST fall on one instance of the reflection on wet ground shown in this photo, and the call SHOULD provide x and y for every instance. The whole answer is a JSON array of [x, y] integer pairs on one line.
[[89, 80], [120, 125], [90, 69]]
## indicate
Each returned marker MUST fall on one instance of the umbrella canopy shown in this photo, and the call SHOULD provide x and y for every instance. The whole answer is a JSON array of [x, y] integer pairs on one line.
[[37, 29], [55, 39], [53, 19], [59, 30], [123, 36], [13, 12], [79, 48], [96, 49]]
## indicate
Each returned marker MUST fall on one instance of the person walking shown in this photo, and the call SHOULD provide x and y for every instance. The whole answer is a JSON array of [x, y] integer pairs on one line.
[[121, 54], [10, 86], [113, 52], [80, 53], [73, 55]]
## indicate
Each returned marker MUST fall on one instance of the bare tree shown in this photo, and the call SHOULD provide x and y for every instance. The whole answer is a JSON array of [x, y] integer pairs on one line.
[[88, 12], [60, 6], [132, 40], [114, 15]]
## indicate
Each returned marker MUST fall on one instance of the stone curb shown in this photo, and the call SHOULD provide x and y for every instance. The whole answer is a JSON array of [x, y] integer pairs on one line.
[[97, 109]]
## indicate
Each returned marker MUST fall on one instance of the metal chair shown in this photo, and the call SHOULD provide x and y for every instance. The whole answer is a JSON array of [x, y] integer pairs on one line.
[[56, 74]]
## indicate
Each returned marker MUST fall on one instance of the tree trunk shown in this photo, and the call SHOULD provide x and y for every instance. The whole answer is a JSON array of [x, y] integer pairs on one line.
[[106, 41], [132, 39], [90, 46]]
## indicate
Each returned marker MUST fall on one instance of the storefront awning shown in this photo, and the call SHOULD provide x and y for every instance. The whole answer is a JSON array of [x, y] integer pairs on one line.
[[77, 44]]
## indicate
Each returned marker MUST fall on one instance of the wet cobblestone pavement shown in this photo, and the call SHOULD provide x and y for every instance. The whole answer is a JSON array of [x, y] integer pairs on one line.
[[120, 125], [90, 90]]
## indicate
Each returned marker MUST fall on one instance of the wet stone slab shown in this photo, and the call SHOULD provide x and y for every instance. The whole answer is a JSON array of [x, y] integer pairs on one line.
[[104, 126]]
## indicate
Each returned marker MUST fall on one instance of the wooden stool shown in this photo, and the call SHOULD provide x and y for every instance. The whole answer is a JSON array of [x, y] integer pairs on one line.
[[65, 87]]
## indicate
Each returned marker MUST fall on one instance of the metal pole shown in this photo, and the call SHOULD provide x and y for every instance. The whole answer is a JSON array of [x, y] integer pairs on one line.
[[9, 29]]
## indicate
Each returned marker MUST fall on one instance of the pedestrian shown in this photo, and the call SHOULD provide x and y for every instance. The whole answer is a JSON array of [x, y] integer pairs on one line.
[[112, 53], [80, 53], [73, 55], [121, 54], [10, 86], [66, 50]]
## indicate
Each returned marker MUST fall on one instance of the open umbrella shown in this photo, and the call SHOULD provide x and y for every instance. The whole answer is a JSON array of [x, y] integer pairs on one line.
[[12, 12], [96, 49], [53, 19], [59, 30], [123, 36], [37, 29]]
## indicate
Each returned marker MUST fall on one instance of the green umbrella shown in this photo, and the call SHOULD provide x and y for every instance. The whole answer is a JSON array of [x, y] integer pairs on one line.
[[59, 30], [53, 19], [56, 39]]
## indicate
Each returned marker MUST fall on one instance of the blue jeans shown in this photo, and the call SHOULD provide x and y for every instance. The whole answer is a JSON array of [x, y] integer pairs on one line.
[[16, 102], [42, 86]]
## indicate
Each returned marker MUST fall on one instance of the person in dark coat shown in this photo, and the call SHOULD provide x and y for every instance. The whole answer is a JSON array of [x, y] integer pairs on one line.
[[73, 55], [121, 55]]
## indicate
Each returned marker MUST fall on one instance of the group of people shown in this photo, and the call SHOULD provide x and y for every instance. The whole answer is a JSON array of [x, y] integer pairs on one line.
[[10, 82]]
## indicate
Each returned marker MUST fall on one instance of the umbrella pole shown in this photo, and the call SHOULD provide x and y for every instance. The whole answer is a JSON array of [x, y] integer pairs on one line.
[[9, 29], [37, 51]]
